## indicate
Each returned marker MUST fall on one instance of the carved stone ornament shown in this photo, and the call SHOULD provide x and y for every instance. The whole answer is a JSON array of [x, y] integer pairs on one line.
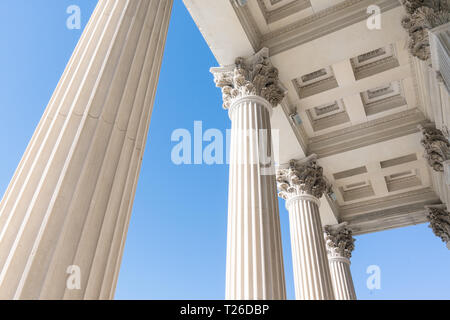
[[440, 223], [253, 76], [423, 15], [299, 178], [339, 240], [437, 147]]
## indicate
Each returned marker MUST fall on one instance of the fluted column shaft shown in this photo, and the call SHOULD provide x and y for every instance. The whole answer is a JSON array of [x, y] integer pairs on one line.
[[301, 184], [254, 252], [309, 257], [254, 267], [70, 200], [342, 278]]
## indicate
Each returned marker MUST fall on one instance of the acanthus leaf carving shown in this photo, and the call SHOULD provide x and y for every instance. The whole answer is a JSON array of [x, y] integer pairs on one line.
[[301, 178], [437, 147], [440, 223], [423, 15], [339, 240], [250, 76]]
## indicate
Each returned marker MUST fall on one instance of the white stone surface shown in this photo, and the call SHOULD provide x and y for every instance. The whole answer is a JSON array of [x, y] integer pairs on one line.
[[301, 185], [221, 29], [342, 279], [254, 252], [311, 271], [70, 200], [340, 244]]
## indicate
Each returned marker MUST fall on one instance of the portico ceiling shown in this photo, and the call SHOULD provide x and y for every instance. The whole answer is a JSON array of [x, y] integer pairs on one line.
[[355, 90]]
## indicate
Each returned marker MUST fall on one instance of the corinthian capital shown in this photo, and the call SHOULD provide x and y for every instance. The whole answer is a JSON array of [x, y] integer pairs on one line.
[[437, 147], [440, 222], [339, 240], [252, 76], [301, 177], [423, 15]]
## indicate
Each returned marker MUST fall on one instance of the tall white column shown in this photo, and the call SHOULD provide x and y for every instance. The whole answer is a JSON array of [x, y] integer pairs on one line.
[[340, 244], [254, 253], [65, 214], [302, 185]]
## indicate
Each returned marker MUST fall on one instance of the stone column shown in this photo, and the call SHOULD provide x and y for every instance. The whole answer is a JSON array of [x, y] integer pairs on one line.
[[302, 184], [254, 254], [439, 219], [340, 244], [65, 214]]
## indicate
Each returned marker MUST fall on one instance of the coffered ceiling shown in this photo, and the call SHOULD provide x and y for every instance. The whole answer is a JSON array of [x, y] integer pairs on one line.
[[354, 89]]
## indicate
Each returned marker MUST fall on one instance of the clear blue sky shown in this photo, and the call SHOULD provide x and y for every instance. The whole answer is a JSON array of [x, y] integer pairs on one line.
[[177, 238]]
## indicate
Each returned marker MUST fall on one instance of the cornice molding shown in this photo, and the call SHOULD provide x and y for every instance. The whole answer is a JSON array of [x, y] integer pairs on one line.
[[411, 217], [424, 195], [367, 133], [322, 23], [310, 19], [312, 27], [389, 212], [284, 11]]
